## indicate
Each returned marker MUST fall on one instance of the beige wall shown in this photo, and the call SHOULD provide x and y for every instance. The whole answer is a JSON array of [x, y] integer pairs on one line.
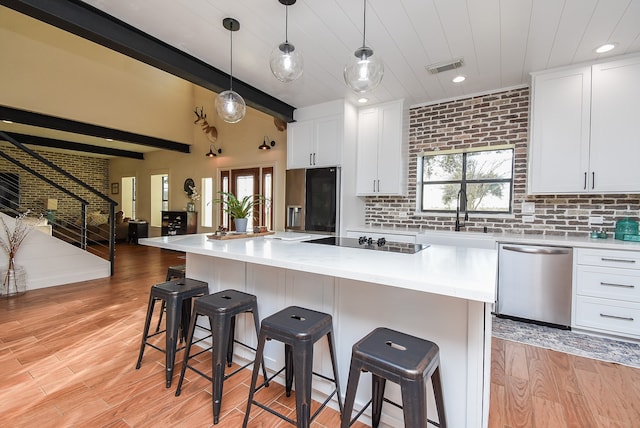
[[239, 143], [50, 71]]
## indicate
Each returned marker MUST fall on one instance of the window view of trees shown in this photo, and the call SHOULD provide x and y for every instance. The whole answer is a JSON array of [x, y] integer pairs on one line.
[[486, 178]]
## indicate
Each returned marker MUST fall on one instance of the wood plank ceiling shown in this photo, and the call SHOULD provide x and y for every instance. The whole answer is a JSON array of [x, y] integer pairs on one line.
[[501, 41]]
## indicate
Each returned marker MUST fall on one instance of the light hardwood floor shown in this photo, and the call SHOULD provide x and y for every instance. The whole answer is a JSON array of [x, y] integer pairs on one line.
[[68, 355]]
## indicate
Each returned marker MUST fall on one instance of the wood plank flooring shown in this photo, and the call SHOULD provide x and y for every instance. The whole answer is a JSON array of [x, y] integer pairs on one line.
[[68, 355]]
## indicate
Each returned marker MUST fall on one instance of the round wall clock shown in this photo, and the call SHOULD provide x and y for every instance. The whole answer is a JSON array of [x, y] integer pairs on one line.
[[188, 184]]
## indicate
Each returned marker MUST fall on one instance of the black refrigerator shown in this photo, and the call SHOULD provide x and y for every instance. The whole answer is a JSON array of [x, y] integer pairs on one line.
[[312, 198]]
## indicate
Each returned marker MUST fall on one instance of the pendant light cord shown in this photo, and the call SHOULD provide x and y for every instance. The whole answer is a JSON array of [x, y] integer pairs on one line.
[[286, 24], [364, 26], [231, 68]]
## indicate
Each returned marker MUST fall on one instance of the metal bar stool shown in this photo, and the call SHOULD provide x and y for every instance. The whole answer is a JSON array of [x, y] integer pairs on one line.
[[173, 272], [298, 328], [177, 296], [406, 360], [221, 308]]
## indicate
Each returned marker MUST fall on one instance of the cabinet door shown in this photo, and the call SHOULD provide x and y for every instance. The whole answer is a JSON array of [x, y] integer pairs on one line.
[[328, 142], [391, 156], [559, 140], [367, 152], [300, 144], [615, 126]]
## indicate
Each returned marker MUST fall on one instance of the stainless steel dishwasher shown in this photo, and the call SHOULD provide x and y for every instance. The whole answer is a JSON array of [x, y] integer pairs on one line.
[[534, 283]]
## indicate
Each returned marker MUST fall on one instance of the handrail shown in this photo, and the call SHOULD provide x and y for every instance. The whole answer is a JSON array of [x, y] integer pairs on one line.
[[84, 203]]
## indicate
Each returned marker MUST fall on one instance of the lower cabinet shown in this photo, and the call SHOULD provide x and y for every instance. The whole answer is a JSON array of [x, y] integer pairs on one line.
[[179, 223], [607, 291]]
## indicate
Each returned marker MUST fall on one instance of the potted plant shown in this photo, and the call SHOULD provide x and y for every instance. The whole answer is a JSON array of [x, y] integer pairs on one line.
[[239, 209]]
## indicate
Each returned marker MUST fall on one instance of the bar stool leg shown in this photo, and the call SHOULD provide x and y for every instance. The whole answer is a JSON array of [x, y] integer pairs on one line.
[[350, 397], [437, 391], [254, 377], [414, 402], [173, 321], [232, 336], [377, 398], [334, 364], [187, 352], [145, 331], [220, 331], [303, 369], [288, 369]]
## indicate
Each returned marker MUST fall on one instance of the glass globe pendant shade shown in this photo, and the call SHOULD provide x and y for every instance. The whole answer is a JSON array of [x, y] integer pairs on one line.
[[286, 62], [364, 71], [230, 106]]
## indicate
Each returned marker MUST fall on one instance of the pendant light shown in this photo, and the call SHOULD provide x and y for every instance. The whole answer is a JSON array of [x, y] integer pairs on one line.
[[230, 106], [365, 70], [285, 61]]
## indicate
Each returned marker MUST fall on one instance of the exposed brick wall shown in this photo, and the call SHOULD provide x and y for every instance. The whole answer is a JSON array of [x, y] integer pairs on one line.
[[494, 119], [34, 192]]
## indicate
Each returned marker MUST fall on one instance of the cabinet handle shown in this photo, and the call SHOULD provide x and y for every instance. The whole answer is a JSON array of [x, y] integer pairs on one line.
[[374, 186], [616, 317], [310, 157], [378, 185], [593, 180], [314, 158], [611, 284], [585, 180], [605, 259]]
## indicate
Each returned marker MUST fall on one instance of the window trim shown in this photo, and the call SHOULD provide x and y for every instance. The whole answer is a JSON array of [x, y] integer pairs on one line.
[[463, 182]]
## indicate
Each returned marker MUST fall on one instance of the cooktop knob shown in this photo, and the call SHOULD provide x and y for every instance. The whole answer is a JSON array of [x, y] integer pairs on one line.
[[381, 242]]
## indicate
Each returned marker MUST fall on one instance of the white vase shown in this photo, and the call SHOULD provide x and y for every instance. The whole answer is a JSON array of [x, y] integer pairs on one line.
[[241, 224]]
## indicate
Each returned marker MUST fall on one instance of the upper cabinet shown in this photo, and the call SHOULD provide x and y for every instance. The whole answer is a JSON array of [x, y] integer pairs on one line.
[[316, 138], [584, 129], [382, 141]]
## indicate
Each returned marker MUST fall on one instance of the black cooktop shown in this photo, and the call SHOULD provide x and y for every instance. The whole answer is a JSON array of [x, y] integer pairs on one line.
[[370, 244]]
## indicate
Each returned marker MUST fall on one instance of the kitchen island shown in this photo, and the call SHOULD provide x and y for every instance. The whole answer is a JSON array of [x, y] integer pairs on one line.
[[442, 293]]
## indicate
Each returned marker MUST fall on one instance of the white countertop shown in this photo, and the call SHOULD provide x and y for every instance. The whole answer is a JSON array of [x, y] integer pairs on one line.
[[467, 273], [571, 241]]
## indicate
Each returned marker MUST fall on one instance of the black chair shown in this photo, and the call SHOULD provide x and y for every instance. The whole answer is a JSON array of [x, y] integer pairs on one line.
[[221, 308], [406, 360], [177, 296], [298, 328]]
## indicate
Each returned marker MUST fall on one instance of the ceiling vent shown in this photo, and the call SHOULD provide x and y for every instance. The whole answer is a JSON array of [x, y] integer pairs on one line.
[[445, 66]]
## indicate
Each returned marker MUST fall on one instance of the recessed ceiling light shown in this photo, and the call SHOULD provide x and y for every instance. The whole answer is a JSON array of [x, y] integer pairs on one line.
[[109, 139], [7, 121], [363, 100], [605, 48], [458, 79]]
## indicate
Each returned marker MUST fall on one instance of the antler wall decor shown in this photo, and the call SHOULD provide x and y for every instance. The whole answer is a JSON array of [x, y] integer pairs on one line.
[[210, 131]]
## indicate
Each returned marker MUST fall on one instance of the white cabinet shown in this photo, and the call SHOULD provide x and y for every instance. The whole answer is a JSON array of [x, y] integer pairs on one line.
[[607, 291], [381, 163], [615, 126], [584, 129], [314, 142], [559, 152]]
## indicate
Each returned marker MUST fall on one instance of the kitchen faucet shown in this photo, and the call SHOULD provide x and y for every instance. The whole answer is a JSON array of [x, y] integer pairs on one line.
[[466, 213]]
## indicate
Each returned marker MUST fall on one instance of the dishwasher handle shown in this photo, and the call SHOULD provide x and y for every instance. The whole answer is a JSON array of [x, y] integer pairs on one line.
[[536, 250]]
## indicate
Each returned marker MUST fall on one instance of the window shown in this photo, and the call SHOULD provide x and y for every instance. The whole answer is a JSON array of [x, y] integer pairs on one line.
[[159, 198], [206, 201], [485, 176], [128, 201], [246, 182]]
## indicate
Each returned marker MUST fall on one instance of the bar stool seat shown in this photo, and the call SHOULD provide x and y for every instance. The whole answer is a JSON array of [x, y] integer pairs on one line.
[[221, 308], [298, 328], [406, 360], [177, 296]]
